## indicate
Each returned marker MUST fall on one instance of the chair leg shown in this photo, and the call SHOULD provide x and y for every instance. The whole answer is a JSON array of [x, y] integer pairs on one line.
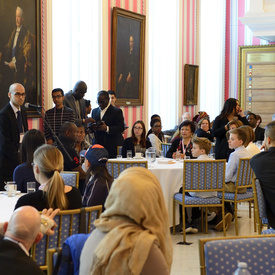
[[174, 208], [183, 224], [201, 219], [223, 221], [249, 209], [206, 221], [236, 218]]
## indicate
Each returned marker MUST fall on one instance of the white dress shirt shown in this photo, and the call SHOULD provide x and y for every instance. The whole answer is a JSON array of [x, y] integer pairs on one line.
[[233, 163]]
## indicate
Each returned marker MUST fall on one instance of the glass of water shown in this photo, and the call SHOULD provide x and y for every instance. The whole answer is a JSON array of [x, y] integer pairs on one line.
[[31, 187]]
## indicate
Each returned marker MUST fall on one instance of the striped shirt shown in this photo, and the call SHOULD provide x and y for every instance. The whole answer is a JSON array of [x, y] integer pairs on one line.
[[56, 117]]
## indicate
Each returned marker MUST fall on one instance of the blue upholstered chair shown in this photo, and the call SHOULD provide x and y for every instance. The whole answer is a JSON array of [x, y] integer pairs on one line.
[[115, 167], [201, 176], [243, 180], [165, 147], [260, 208], [68, 222], [91, 214], [221, 255], [70, 178]]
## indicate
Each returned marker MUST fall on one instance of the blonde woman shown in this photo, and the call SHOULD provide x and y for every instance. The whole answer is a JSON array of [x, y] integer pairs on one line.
[[52, 193]]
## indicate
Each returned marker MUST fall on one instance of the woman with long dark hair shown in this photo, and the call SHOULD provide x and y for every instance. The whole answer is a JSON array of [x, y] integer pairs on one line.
[[23, 173], [137, 142], [231, 110], [98, 181]]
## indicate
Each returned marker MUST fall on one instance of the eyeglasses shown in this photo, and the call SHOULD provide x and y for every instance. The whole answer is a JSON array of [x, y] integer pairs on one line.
[[18, 94], [56, 96], [138, 128], [158, 126]]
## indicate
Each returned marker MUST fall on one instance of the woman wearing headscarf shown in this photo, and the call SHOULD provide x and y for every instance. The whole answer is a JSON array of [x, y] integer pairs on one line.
[[132, 236]]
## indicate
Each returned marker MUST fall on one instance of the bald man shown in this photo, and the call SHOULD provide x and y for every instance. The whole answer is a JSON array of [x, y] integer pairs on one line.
[[21, 232], [74, 100], [13, 125]]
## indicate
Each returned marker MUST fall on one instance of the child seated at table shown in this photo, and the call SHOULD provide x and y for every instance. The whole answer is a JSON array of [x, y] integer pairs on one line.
[[236, 141], [201, 149]]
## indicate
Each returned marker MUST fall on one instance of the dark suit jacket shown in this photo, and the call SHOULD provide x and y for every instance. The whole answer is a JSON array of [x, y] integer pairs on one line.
[[263, 167], [70, 102], [13, 260], [115, 121], [9, 139], [259, 133]]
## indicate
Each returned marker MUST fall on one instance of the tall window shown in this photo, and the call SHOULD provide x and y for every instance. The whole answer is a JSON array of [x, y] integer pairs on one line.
[[163, 54], [77, 45], [212, 41]]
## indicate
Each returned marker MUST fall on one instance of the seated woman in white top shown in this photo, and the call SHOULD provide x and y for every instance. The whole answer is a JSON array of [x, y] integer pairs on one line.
[[250, 136], [132, 236], [154, 137]]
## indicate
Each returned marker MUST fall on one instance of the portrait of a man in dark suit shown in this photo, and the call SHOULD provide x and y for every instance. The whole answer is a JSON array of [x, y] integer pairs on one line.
[[18, 48]]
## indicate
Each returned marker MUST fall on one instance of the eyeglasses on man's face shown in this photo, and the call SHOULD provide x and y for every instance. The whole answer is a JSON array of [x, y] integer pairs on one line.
[[19, 94]]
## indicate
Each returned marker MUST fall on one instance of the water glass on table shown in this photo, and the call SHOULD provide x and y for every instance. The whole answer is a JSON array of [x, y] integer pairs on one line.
[[129, 154], [11, 188], [31, 187]]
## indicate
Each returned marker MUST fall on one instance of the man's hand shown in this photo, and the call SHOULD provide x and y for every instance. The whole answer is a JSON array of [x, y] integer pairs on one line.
[[102, 127], [12, 65], [50, 214], [89, 120]]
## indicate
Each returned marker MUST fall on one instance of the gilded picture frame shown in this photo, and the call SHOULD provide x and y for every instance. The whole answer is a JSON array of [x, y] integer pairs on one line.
[[128, 46], [191, 78], [20, 59]]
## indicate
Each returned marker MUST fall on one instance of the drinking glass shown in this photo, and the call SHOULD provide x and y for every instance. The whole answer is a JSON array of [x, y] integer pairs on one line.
[[11, 188], [129, 154], [31, 187]]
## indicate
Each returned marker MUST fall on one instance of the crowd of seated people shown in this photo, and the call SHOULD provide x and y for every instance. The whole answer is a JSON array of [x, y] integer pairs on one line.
[[233, 132]]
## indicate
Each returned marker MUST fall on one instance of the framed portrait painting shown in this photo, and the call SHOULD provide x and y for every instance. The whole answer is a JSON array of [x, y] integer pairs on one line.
[[191, 78], [20, 49], [128, 44]]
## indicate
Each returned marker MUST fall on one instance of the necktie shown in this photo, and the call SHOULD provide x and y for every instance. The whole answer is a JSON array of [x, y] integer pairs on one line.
[[19, 122]]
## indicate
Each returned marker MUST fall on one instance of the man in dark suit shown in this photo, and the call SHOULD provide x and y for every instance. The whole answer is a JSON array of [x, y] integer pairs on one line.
[[263, 167], [109, 124], [74, 100], [13, 125], [259, 132]]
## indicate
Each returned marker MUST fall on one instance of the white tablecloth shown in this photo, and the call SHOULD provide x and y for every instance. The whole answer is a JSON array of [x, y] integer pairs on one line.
[[7, 205], [170, 177]]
